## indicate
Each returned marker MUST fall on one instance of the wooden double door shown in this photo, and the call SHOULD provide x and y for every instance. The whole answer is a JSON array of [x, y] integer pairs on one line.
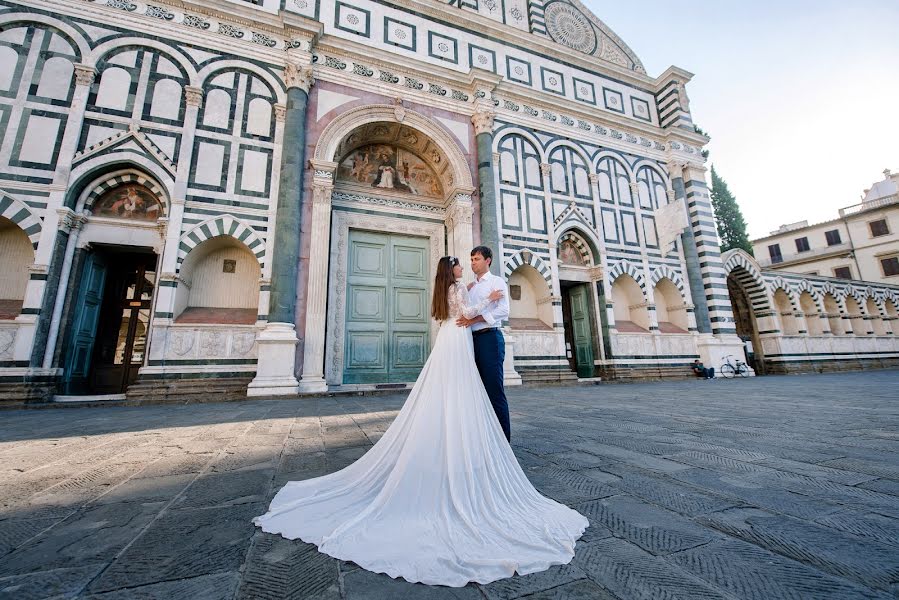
[[577, 315], [387, 332]]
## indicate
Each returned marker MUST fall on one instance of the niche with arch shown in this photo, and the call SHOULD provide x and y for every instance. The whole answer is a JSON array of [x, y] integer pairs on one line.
[[16, 255], [856, 317], [629, 306], [530, 301], [834, 317], [875, 319], [784, 308], [892, 316], [671, 312], [218, 284], [810, 310]]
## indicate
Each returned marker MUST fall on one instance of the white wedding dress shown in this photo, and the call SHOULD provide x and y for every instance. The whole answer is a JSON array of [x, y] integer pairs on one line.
[[440, 498]]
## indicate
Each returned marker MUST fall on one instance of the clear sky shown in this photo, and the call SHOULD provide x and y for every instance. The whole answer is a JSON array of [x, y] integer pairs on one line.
[[801, 97]]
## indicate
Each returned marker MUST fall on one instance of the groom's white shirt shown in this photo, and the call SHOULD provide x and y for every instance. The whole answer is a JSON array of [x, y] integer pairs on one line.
[[495, 312]]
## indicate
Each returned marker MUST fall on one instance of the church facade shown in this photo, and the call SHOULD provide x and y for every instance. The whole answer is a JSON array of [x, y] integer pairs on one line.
[[228, 197]]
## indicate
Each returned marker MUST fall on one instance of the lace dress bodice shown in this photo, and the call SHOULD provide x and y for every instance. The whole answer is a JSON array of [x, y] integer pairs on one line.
[[460, 303]]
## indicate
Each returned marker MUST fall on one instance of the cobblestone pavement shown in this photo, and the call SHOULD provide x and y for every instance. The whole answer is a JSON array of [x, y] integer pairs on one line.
[[777, 487]]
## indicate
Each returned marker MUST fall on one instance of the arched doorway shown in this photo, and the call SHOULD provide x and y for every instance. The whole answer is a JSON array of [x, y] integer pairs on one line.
[[576, 256], [745, 319], [395, 198], [105, 327]]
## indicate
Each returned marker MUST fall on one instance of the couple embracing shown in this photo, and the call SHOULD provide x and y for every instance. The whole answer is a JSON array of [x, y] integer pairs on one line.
[[440, 498]]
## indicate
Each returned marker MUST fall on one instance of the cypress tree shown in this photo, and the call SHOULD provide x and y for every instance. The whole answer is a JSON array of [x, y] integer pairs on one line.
[[728, 217]]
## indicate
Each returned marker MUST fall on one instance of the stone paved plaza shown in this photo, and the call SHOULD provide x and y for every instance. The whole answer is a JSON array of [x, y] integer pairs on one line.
[[765, 488]]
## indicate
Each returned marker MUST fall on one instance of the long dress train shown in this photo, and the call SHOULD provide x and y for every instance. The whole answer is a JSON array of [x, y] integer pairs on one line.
[[440, 498]]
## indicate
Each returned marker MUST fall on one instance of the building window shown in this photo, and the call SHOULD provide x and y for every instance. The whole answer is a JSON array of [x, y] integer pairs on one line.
[[842, 272], [774, 253], [890, 266], [802, 244], [833, 237], [879, 228]]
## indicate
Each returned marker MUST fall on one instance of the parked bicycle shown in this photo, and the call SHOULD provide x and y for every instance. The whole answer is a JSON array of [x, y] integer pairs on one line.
[[732, 369]]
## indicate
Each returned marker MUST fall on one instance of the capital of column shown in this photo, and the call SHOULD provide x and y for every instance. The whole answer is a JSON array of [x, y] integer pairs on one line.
[[594, 178], [545, 169], [193, 96], [483, 122], [596, 274], [298, 76], [676, 168], [635, 187], [69, 220], [322, 172], [84, 74], [459, 213], [280, 112]]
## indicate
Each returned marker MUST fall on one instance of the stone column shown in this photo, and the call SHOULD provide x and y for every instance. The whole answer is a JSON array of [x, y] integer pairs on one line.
[[313, 380], [483, 128], [84, 78], [69, 226], [275, 371]]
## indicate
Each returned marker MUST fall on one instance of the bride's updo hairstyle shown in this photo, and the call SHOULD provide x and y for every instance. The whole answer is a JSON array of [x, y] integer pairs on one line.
[[442, 283]]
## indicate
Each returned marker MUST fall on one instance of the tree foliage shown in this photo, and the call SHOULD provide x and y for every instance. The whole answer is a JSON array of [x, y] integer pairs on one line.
[[728, 217]]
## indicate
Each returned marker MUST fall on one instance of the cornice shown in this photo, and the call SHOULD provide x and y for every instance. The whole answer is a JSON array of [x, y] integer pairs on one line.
[[584, 122]]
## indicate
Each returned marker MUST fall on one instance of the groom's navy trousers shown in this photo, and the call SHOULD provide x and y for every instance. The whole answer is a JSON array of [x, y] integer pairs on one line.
[[489, 353]]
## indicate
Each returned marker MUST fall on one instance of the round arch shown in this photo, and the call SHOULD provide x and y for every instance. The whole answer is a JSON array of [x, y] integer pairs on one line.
[[505, 132], [91, 177], [337, 130], [626, 268], [587, 239], [74, 36], [22, 216], [556, 144], [222, 225], [616, 157], [217, 66], [100, 52]]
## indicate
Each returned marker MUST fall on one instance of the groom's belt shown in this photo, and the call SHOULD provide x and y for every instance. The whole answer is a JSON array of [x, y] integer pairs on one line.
[[484, 330]]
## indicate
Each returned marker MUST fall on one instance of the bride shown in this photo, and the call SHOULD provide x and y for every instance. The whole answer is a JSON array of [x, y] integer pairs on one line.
[[440, 498]]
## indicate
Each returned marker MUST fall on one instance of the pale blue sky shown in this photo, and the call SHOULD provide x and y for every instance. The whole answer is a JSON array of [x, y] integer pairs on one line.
[[801, 97]]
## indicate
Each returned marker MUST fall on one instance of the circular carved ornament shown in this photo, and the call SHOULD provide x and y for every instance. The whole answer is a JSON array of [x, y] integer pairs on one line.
[[570, 27]]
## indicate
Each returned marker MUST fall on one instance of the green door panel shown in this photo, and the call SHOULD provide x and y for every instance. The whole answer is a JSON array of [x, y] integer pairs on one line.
[[582, 330], [86, 318], [388, 311]]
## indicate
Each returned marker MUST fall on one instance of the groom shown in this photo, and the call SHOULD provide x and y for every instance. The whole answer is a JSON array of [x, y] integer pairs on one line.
[[489, 345]]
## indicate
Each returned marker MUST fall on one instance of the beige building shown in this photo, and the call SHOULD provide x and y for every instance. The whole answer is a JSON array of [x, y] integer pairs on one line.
[[863, 243]]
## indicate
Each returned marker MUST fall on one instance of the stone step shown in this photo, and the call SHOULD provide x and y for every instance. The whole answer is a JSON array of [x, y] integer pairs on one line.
[[547, 376], [188, 391]]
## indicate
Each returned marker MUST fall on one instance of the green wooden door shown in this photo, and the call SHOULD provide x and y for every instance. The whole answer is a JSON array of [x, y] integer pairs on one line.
[[387, 308], [84, 324], [582, 330]]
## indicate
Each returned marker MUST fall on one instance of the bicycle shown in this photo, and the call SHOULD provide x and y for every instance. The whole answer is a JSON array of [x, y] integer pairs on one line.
[[732, 369]]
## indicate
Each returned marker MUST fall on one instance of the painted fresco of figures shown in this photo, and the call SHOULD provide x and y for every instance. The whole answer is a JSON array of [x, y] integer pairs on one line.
[[569, 254], [387, 167], [130, 201]]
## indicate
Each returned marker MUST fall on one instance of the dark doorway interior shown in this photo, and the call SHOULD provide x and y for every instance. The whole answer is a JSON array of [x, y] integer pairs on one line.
[[124, 322]]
